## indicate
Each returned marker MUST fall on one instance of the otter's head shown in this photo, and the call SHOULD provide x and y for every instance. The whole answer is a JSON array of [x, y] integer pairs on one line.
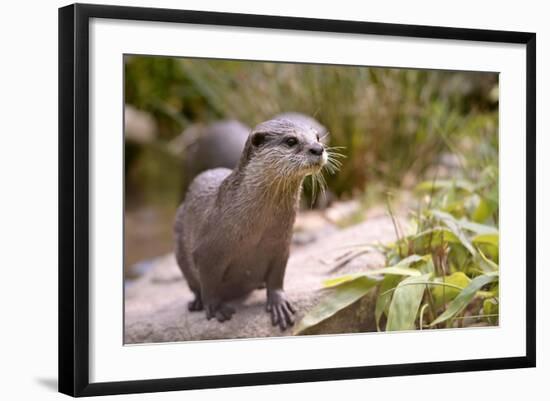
[[285, 148]]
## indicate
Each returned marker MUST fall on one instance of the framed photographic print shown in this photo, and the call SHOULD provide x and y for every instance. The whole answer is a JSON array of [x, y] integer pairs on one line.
[[251, 199]]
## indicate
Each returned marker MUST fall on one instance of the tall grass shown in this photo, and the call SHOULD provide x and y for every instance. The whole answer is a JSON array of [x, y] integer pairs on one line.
[[393, 123]]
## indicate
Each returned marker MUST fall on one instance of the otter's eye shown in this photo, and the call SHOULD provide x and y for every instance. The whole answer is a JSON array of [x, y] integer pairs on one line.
[[317, 137], [291, 142]]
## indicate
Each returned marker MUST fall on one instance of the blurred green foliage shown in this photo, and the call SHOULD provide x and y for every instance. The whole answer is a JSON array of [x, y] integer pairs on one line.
[[395, 124]]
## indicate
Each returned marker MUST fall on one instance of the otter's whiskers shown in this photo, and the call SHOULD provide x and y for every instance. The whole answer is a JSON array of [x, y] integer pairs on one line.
[[332, 165]]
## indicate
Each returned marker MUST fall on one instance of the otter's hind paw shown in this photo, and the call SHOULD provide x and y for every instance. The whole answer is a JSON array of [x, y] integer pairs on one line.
[[221, 312], [195, 305]]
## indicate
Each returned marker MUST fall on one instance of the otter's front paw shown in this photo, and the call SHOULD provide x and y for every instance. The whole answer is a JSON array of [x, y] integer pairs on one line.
[[220, 311], [280, 308]]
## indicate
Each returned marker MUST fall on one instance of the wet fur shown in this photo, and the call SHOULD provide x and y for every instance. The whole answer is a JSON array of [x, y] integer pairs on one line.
[[234, 228]]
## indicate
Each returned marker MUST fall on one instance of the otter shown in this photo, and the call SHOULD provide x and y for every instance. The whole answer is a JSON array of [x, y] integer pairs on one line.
[[304, 119], [234, 227]]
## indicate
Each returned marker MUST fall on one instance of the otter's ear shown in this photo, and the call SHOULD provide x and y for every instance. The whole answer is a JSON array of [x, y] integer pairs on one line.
[[258, 139]]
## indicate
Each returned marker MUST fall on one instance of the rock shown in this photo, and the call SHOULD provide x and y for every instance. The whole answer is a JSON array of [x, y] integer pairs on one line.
[[204, 147], [139, 126], [218, 144], [156, 304], [356, 318]]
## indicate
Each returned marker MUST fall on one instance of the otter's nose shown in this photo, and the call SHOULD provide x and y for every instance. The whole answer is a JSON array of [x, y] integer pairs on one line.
[[316, 149]]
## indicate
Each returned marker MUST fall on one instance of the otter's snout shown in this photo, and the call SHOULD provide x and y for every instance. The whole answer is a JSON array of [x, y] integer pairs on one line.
[[316, 149]]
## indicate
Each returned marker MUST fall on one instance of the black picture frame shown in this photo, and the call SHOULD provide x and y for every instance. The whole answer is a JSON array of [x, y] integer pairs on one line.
[[74, 198]]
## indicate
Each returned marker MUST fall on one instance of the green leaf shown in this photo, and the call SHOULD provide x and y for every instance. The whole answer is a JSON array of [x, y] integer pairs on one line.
[[433, 237], [484, 210], [485, 263], [490, 307], [455, 228], [428, 267], [458, 258], [405, 303], [466, 295], [421, 316], [340, 297], [400, 269], [491, 239], [333, 282], [384, 297], [476, 227], [443, 294], [395, 270], [412, 259]]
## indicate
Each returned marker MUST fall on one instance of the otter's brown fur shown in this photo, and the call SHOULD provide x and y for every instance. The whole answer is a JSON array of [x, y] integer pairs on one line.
[[234, 228]]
